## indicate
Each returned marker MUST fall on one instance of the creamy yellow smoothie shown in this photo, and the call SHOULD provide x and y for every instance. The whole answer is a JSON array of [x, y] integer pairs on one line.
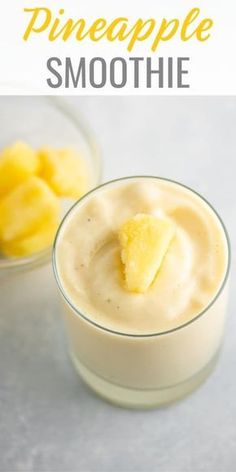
[[143, 349]]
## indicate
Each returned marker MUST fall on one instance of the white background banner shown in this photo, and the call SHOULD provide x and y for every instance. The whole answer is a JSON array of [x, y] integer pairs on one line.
[[210, 67]]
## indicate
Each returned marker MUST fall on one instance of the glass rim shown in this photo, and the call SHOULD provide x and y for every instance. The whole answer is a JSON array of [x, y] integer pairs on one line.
[[64, 107], [145, 335]]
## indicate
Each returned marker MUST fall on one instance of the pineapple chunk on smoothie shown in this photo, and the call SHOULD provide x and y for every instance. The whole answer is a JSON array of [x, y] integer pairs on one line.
[[144, 241]]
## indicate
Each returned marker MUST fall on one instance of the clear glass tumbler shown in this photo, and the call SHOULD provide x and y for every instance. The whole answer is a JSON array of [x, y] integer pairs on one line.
[[143, 371]]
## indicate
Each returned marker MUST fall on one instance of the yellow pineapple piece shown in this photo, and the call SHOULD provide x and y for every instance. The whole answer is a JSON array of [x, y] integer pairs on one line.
[[28, 207], [64, 171], [144, 241], [41, 239], [17, 163]]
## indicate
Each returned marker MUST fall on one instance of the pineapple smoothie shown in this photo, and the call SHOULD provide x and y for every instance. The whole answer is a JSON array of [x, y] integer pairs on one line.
[[142, 265]]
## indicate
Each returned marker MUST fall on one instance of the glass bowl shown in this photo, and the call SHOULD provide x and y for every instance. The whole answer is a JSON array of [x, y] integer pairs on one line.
[[50, 121]]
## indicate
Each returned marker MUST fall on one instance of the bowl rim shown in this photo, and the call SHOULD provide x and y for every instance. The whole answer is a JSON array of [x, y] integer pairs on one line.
[[71, 112], [135, 335]]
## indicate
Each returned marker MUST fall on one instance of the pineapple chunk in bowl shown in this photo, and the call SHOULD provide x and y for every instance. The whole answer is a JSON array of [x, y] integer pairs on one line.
[[48, 160]]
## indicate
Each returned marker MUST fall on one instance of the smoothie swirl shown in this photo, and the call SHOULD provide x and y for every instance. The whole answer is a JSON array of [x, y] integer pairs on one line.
[[90, 267]]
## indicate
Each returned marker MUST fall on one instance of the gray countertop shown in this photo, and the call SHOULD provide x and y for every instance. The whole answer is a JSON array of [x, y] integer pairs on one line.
[[49, 420]]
